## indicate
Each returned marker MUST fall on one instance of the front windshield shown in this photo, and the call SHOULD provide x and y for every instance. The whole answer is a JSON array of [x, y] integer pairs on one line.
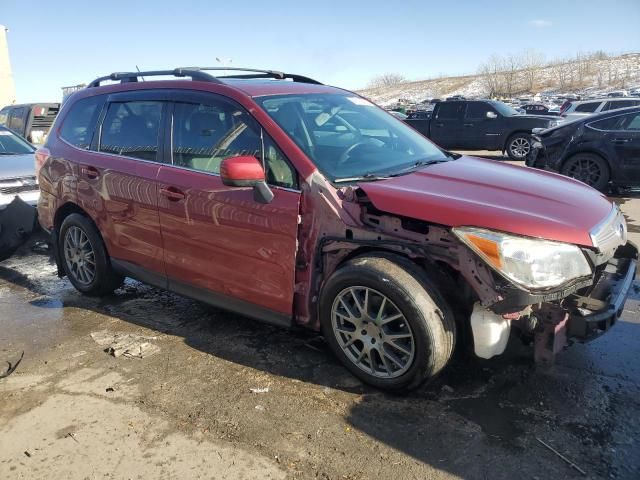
[[505, 109], [348, 137], [11, 144]]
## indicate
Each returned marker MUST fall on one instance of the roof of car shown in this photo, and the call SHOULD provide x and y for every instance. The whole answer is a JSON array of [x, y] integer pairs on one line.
[[252, 82], [600, 100]]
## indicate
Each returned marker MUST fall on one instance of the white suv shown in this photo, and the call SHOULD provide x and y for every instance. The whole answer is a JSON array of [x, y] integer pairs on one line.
[[581, 109]]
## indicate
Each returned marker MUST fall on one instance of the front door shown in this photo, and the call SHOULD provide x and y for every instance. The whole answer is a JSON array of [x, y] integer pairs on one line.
[[220, 244], [482, 132], [625, 141]]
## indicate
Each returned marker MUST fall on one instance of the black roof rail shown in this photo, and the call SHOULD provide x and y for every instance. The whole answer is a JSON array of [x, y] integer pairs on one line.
[[126, 77], [254, 73]]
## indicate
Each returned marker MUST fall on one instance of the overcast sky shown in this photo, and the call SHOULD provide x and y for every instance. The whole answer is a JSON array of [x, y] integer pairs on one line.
[[65, 42]]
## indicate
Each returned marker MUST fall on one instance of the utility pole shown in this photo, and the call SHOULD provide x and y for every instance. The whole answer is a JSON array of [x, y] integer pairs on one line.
[[7, 87]]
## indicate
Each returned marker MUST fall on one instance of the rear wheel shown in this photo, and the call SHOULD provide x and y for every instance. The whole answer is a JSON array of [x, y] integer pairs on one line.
[[519, 146], [84, 257], [588, 168], [387, 322]]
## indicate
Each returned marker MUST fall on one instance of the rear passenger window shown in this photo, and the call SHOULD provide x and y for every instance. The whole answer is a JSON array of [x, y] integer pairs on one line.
[[450, 110], [131, 129], [618, 104], [587, 107], [206, 134], [79, 123]]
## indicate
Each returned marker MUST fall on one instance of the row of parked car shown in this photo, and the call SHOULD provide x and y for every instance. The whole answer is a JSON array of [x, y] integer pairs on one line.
[[300, 204]]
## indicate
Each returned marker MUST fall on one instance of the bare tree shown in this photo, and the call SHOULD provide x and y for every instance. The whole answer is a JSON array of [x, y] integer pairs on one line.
[[491, 72], [561, 71], [532, 63], [511, 64], [386, 80]]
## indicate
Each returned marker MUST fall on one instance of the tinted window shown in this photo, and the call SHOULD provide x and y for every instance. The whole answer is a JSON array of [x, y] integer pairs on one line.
[[16, 120], [78, 125], [633, 122], [131, 129], [478, 110], [617, 123], [4, 116], [450, 110], [587, 107], [206, 134], [619, 104], [10, 144]]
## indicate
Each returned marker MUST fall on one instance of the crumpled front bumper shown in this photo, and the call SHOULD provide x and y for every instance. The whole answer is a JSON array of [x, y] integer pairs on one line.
[[596, 312]]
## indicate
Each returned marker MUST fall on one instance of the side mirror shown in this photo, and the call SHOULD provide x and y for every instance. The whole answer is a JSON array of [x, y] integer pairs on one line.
[[246, 171], [492, 115]]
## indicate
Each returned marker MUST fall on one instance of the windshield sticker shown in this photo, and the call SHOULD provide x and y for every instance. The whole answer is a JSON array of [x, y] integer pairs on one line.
[[5, 133], [360, 101]]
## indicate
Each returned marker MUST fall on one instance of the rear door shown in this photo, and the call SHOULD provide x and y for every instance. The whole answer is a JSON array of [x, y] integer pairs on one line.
[[221, 245], [447, 129], [117, 181]]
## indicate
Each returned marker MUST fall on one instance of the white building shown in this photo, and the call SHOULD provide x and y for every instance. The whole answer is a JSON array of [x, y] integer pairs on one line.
[[7, 87]]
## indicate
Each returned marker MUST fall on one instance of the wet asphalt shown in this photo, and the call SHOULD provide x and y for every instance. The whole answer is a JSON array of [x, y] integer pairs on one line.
[[479, 420]]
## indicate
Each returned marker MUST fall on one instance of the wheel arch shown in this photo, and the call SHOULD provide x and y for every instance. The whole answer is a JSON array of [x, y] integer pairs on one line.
[[511, 134]]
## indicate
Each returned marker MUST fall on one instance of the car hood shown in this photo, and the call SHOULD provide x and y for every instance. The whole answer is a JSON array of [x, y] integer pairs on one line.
[[16, 166], [484, 193]]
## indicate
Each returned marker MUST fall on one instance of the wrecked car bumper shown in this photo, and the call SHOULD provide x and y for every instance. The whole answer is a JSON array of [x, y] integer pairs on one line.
[[594, 314]]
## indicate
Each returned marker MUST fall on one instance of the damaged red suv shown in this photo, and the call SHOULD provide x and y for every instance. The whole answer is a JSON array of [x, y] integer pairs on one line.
[[296, 203]]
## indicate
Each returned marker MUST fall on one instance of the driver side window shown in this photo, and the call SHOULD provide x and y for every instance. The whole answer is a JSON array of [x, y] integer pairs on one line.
[[206, 134]]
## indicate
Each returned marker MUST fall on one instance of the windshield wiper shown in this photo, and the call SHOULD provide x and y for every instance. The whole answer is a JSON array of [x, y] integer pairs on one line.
[[366, 177], [416, 165]]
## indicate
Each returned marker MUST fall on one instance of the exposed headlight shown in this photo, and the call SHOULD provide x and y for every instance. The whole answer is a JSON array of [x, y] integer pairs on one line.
[[531, 263], [553, 123]]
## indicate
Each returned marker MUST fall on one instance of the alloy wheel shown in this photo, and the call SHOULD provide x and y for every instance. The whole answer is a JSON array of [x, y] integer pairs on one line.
[[585, 170], [520, 147], [79, 255], [372, 332]]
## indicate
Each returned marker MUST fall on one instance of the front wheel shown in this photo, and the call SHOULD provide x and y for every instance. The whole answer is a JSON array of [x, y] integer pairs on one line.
[[85, 258], [519, 146], [387, 322], [588, 168]]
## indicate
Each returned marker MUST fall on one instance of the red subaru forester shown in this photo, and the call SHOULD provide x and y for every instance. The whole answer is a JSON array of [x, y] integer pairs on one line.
[[297, 203]]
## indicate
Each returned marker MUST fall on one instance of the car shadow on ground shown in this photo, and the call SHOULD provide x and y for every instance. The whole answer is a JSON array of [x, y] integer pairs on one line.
[[475, 407]]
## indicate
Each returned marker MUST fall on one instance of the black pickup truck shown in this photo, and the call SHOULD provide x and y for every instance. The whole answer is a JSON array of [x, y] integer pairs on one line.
[[481, 125]]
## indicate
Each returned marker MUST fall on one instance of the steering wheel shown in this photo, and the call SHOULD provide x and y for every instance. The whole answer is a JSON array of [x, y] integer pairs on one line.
[[347, 153]]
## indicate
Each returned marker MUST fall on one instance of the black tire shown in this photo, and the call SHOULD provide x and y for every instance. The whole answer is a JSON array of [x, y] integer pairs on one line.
[[406, 286], [104, 280], [588, 168], [516, 148]]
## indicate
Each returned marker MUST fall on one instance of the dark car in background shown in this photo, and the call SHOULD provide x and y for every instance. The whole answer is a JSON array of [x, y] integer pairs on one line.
[[537, 109], [481, 125], [30, 120], [596, 150]]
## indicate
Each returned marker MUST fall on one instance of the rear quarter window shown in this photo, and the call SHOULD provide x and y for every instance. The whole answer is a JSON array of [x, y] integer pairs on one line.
[[587, 107], [79, 124]]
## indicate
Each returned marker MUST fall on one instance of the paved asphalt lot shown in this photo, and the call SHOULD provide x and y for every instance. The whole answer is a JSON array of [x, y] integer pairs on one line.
[[70, 410]]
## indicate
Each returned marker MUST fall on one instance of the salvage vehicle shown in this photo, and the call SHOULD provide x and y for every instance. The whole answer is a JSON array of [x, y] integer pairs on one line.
[[299, 204], [30, 120], [598, 150], [18, 192], [481, 125]]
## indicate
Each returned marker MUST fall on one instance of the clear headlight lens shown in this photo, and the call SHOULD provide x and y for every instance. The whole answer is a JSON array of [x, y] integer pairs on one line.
[[531, 263]]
